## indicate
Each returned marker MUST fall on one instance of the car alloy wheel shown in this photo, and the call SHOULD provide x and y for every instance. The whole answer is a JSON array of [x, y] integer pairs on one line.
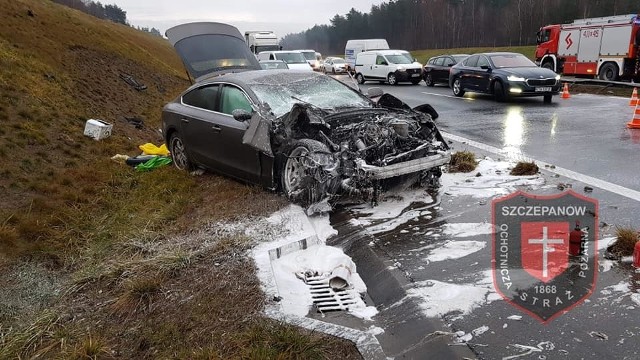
[[360, 78], [179, 153], [391, 79], [499, 91], [457, 87], [428, 80]]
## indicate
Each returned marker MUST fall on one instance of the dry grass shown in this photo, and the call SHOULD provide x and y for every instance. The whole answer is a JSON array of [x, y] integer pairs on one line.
[[627, 238], [424, 55], [524, 168], [462, 161], [127, 270]]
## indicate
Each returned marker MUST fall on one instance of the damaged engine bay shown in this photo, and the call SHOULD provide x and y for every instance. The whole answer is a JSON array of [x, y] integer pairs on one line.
[[355, 152]]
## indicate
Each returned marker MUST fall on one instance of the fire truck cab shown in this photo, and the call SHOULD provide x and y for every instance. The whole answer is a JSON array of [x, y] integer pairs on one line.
[[605, 47]]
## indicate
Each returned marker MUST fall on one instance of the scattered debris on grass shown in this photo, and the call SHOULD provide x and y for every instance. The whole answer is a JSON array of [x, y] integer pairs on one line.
[[462, 161], [525, 168], [627, 238]]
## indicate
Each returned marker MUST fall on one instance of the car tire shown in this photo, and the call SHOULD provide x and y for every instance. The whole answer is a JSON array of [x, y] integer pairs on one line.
[[499, 92], [333, 71], [391, 79], [608, 72], [547, 99], [297, 182], [428, 79], [548, 65], [179, 153], [457, 87], [360, 78]]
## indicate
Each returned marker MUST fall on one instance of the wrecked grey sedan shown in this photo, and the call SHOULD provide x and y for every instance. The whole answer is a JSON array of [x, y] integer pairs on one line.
[[303, 133]]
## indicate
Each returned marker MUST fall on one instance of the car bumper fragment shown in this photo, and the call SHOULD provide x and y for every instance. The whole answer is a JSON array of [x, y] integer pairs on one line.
[[404, 168]]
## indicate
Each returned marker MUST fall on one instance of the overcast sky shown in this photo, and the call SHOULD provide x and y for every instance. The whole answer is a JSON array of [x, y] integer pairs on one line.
[[281, 16]]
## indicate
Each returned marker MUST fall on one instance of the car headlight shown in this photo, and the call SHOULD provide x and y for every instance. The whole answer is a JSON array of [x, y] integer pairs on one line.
[[401, 68], [557, 77], [515, 78]]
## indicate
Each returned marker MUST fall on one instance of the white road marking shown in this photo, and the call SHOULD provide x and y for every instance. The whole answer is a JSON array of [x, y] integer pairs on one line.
[[518, 156], [449, 96]]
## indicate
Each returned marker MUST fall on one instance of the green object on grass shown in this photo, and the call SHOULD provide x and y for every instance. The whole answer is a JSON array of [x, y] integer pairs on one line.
[[154, 163]]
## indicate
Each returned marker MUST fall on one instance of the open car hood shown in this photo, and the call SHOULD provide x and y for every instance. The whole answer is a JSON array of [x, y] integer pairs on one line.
[[209, 48]]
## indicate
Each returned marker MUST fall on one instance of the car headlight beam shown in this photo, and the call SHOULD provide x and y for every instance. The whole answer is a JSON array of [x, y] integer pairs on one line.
[[515, 78]]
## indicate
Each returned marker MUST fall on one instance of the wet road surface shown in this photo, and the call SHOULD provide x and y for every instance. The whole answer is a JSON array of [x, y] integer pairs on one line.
[[441, 244]]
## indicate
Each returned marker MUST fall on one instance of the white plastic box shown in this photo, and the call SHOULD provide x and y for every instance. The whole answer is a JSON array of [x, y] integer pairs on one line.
[[97, 129]]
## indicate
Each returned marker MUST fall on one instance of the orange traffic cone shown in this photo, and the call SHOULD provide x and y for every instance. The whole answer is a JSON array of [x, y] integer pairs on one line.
[[635, 122], [565, 91], [634, 97]]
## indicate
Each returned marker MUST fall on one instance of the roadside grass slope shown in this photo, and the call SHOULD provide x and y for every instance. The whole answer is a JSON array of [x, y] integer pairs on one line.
[[96, 259], [424, 55]]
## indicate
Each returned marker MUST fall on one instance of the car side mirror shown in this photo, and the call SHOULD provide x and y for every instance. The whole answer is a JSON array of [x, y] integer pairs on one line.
[[485, 67], [384, 63], [450, 65], [374, 92], [241, 115]]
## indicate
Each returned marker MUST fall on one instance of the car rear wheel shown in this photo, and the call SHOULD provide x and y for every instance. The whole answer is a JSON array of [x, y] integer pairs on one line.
[[360, 78], [499, 92], [428, 79], [303, 180], [608, 72], [179, 153], [392, 80], [457, 87]]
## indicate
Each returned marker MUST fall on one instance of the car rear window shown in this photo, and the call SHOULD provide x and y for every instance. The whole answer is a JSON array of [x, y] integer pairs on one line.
[[291, 58]]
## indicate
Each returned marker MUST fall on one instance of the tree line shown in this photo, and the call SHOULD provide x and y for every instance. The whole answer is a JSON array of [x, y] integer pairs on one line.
[[441, 24], [110, 12]]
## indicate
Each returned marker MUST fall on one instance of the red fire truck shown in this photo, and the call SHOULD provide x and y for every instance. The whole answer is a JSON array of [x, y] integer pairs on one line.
[[606, 47]]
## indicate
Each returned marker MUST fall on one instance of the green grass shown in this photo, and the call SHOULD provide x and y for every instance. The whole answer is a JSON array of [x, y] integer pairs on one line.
[[424, 55]]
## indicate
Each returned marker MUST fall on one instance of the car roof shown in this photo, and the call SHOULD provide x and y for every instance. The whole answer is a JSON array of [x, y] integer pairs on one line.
[[280, 52], [499, 53], [245, 78]]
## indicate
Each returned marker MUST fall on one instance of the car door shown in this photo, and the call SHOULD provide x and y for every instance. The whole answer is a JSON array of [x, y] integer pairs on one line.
[[380, 67], [483, 74], [437, 73], [198, 122], [235, 158], [468, 72], [447, 63]]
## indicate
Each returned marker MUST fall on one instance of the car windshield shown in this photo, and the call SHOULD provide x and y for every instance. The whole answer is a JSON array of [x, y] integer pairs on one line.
[[339, 61], [319, 90], [291, 57], [309, 55], [399, 59], [511, 60]]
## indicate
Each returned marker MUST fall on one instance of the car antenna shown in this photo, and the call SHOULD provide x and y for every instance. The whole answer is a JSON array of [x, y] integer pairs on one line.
[[188, 75], [355, 82]]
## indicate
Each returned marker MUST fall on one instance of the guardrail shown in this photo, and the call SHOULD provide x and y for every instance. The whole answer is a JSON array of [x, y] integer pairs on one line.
[[574, 80]]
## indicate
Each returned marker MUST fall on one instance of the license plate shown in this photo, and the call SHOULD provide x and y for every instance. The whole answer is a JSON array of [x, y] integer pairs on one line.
[[415, 75], [543, 89]]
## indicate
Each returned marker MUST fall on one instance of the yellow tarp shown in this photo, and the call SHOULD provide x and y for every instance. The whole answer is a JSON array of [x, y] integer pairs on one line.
[[150, 149]]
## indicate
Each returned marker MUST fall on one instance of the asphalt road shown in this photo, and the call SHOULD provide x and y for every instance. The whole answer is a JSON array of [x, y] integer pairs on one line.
[[586, 136]]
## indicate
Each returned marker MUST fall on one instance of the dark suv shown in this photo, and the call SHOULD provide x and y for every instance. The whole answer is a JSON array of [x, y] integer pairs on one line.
[[436, 70]]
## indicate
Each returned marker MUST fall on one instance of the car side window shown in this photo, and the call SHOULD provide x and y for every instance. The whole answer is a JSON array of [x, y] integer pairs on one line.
[[483, 61], [471, 61], [431, 61], [271, 57], [205, 97], [234, 99], [448, 61], [439, 61], [380, 60]]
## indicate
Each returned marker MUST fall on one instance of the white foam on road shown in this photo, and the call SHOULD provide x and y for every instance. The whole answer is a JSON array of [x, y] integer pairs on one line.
[[454, 250], [392, 205], [467, 229], [519, 156], [494, 180]]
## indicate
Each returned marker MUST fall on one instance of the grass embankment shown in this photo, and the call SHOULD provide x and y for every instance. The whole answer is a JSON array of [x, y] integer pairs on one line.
[[424, 55], [95, 259]]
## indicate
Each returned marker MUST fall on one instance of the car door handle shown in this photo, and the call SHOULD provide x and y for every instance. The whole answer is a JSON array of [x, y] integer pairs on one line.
[[216, 128], [186, 121]]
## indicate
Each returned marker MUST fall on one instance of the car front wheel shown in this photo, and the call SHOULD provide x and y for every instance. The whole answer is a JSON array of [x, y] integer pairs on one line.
[[360, 78], [304, 178], [499, 92], [457, 87], [179, 153], [392, 80], [428, 79]]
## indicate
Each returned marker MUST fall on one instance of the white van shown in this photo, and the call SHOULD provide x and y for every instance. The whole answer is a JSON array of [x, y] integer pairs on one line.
[[392, 66], [312, 59], [354, 47], [294, 59]]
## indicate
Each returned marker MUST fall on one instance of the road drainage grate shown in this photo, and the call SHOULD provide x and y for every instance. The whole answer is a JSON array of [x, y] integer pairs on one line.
[[327, 299]]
